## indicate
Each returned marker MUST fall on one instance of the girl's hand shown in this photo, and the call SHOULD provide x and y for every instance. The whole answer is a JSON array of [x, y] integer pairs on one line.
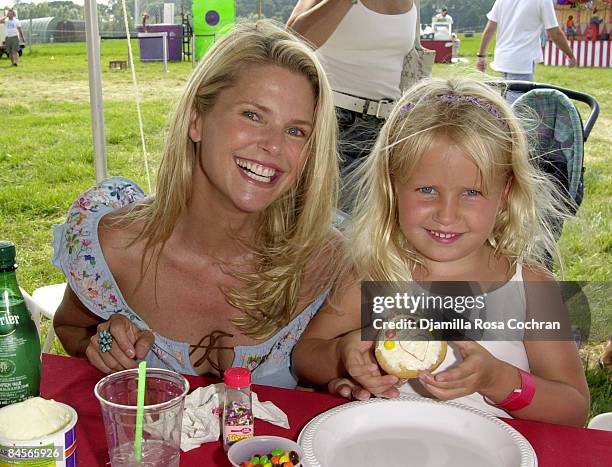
[[347, 388], [359, 361], [129, 344], [479, 372]]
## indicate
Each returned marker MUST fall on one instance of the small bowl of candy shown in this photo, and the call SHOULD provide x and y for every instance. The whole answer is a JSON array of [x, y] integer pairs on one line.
[[265, 451]]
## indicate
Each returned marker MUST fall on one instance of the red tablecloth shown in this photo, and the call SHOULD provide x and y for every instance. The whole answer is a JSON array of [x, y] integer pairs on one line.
[[72, 380]]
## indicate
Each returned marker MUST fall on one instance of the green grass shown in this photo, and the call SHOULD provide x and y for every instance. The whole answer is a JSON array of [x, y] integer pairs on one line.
[[46, 156], [600, 385]]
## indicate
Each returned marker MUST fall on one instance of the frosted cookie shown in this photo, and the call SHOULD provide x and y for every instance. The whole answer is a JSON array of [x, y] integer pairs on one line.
[[404, 353]]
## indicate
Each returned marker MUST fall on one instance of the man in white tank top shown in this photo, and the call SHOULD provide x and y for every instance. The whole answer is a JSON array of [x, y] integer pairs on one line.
[[362, 45]]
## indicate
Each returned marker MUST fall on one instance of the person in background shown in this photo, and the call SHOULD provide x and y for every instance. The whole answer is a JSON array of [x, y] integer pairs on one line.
[[570, 27], [443, 17], [13, 35], [517, 25], [592, 32], [362, 45], [145, 19], [455, 44], [225, 265]]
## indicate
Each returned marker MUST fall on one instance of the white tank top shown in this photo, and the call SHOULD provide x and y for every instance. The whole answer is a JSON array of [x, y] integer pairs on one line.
[[364, 55], [506, 302]]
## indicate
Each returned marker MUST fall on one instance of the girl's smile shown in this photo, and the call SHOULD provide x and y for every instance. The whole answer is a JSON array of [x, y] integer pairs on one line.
[[444, 237]]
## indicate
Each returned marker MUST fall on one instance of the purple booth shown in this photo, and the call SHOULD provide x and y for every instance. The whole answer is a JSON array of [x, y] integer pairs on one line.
[[151, 46]]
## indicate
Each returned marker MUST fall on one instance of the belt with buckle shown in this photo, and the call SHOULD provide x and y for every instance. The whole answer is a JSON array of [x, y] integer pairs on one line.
[[379, 109]]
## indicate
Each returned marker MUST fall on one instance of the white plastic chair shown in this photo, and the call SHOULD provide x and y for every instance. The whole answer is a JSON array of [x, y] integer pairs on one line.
[[603, 421], [48, 299], [32, 307]]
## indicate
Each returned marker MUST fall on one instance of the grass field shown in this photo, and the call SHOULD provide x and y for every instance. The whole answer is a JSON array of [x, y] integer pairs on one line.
[[46, 157]]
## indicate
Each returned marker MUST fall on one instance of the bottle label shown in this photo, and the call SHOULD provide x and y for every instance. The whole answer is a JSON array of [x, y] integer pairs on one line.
[[19, 353], [237, 422], [231, 434], [8, 324]]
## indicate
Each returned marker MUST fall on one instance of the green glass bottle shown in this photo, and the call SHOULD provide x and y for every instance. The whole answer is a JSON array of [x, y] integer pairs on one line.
[[20, 356]]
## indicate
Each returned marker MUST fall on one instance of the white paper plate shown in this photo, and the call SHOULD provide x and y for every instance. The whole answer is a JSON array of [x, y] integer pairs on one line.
[[412, 430]]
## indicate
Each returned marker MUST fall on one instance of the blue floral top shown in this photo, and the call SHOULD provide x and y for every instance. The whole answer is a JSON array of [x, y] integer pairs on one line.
[[79, 256]]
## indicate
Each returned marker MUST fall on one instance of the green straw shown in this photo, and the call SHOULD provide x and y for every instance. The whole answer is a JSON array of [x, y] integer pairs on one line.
[[142, 381]]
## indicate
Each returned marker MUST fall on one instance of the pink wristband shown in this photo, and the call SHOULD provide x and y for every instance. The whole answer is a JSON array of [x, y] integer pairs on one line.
[[520, 398]]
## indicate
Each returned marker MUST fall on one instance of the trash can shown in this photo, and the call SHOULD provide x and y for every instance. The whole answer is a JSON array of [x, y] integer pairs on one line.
[[443, 50]]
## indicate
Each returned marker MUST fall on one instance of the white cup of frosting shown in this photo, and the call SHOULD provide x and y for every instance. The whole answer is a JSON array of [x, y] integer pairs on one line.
[[38, 429]]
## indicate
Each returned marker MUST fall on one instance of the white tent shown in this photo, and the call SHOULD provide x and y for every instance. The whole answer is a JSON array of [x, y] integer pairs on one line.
[[92, 37]]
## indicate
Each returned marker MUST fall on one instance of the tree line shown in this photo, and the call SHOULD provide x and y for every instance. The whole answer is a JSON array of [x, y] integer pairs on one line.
[[467, 14]]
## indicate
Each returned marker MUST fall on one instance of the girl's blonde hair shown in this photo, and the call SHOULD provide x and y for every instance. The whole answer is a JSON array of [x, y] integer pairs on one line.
[[477, 119], [294, 229]]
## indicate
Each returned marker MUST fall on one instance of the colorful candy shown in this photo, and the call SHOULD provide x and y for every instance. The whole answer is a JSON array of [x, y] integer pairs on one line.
[[389, 344], [276, 458], [238, 414], [293, 457]]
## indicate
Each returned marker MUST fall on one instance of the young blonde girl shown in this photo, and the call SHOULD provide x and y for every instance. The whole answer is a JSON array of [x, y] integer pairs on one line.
[[449, 194]]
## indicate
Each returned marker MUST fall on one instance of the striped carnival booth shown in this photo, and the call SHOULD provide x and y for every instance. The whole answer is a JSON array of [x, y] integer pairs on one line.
[[588, 54]]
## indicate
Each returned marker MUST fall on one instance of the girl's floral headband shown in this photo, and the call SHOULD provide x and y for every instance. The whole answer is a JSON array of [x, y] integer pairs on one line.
[[451, 98]]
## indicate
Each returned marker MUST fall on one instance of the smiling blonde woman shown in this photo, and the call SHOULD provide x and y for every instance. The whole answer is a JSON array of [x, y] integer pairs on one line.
[[233, 255]]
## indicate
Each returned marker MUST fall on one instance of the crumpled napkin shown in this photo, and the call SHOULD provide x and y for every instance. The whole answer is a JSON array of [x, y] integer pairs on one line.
[[203, 408]]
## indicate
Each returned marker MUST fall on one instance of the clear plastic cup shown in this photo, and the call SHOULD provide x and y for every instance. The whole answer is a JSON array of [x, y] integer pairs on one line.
[[163, 416]]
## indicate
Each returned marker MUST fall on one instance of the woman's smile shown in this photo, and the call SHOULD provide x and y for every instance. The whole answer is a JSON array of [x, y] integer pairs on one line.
[[251, 142], [258, 172]]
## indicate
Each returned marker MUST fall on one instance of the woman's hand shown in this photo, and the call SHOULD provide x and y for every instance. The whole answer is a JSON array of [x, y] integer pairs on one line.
[[347, 388], [129, 344], [479, 372], [361, 365]]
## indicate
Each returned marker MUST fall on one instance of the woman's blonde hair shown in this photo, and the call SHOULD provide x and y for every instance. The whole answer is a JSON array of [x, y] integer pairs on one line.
[[294, 229], [476, 118]]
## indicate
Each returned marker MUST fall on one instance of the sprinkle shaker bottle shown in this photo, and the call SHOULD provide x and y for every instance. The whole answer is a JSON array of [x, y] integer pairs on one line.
[[237, 408]]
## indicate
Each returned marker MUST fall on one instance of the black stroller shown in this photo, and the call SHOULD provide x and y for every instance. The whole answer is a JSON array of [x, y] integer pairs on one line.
[[560, 135], [560, 151]]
